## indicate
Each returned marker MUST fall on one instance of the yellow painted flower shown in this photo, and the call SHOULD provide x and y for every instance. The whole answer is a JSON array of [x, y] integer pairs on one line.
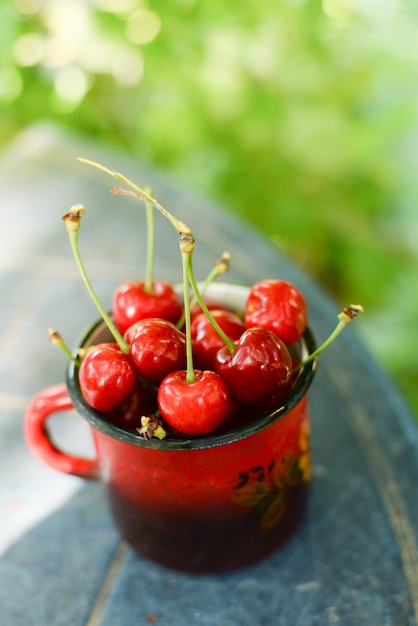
[[304, 461]]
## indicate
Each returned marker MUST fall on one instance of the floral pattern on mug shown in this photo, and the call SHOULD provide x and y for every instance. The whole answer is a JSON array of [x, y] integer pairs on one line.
[[267, 490], [305, 457]]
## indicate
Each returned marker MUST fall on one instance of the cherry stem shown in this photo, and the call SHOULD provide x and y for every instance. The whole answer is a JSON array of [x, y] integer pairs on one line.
[[56, 339], [230, 344], [347, 315], [149, 273], [186, 257], [139, 193], [72, 224], [220, 267]]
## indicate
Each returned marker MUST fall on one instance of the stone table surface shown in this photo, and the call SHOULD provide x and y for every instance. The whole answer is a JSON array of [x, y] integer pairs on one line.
[[354, 559]]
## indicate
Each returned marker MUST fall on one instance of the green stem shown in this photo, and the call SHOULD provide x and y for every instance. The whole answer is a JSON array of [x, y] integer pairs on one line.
[[340, 326], [213, 274], [230, 344], [56, 339], [73, 236], [186, 260], [143, 195], [347, 315], [150, 246]]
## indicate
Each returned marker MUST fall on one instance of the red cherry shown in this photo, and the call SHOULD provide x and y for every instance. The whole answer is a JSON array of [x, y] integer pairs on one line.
[[156, 348], [206, 341], [107, 377], [196, 408], [278, 306], [131, 303], [259, 367]]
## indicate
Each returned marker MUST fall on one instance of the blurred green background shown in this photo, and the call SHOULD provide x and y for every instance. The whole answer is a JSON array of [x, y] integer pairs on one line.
[[300, 115]]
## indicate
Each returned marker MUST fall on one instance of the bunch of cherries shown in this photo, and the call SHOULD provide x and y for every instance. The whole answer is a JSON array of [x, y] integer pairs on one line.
[[183, 365]]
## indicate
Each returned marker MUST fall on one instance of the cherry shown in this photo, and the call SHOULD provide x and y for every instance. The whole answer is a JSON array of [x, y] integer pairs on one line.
[[107, 377], [194, 408], [156, 348], [278, 306], [133, 302], [206, 340], [260, 366]]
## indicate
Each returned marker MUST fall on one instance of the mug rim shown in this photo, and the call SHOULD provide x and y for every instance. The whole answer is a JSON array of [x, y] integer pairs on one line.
[[99, 422]]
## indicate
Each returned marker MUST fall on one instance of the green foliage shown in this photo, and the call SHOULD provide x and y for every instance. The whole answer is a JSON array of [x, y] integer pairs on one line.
[[299, 115]]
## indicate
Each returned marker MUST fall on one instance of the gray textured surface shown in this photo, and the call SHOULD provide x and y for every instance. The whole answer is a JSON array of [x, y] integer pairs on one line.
[[354, 559]]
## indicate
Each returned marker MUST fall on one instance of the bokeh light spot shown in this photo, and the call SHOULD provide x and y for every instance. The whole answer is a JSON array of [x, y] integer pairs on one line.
[[143, 26], [29, 49], [119, 7], [71, 85], [28, 7], [127, 68], [11, 85], [340, 10]]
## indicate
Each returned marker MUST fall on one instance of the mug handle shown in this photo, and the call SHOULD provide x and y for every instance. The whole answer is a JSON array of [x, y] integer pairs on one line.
[[47, 402]]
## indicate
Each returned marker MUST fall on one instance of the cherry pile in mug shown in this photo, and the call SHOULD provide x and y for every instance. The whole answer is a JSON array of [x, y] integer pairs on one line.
[[232, 382]]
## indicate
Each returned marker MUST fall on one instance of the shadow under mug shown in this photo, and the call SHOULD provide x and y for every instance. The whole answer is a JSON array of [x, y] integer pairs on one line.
[[203, 504]]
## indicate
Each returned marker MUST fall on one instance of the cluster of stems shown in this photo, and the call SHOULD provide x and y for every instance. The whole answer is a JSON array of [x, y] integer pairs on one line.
[[186, 243]]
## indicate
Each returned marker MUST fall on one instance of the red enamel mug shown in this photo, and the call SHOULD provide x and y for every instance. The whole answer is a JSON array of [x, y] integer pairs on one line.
[[203, 504]]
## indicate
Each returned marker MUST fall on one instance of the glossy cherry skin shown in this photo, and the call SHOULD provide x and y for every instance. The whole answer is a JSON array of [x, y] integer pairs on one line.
[[156, 348], [107, 377], [131, 303], [278, 306], [259, 367], [206, 341], [196, 408]]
